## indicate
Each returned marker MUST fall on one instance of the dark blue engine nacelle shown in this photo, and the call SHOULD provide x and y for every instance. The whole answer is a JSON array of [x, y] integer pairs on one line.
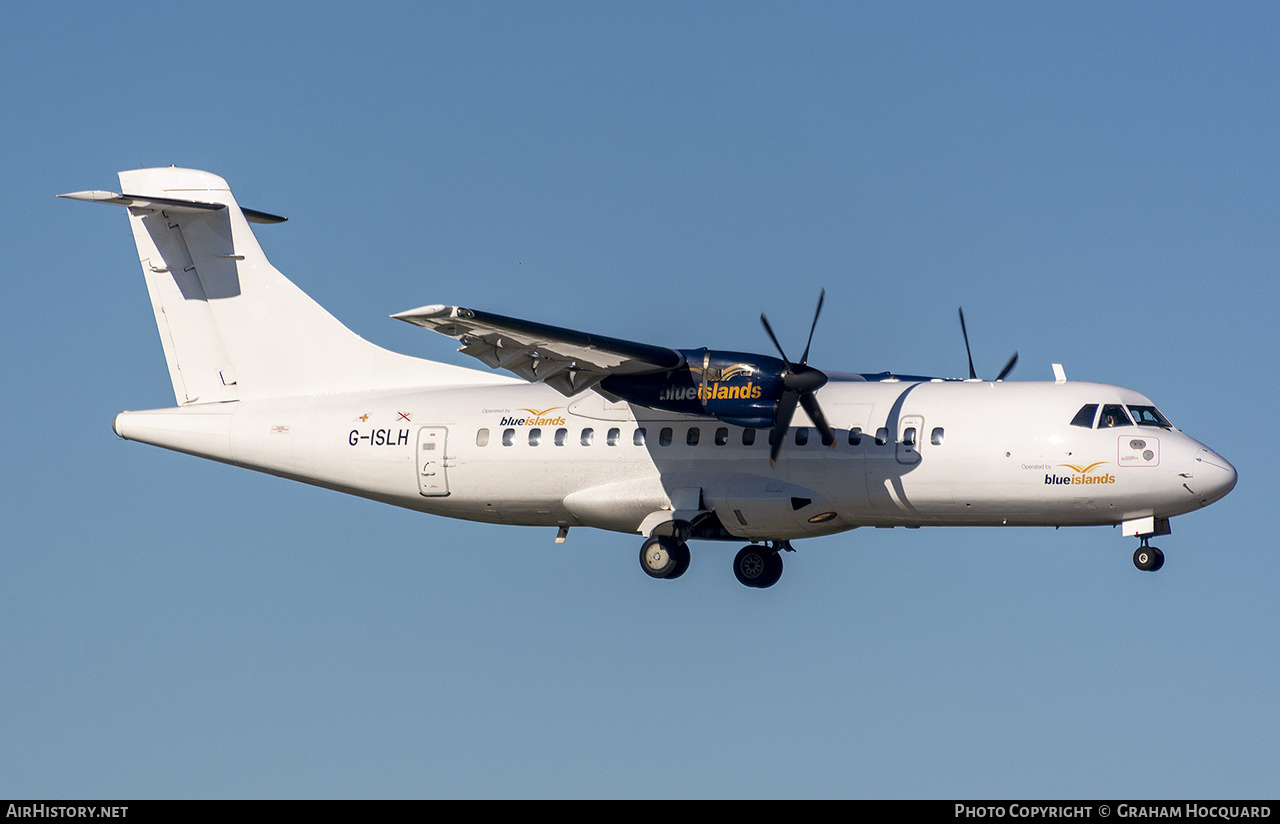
[[735, 387]]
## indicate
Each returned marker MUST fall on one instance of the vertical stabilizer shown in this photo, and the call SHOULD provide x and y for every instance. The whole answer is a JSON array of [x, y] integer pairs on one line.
[[199, 364], [232, 326]]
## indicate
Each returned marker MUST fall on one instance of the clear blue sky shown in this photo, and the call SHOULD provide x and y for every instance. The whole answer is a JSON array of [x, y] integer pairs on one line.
[[1097, 184]]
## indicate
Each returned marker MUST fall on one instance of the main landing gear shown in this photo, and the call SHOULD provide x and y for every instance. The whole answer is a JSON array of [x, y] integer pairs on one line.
[[1148, 558], [664, 557], [753, 566], [758, 566]]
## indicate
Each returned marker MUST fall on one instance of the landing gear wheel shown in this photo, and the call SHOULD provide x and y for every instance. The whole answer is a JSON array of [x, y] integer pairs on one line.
[[758, 567], [774, 571], [1148, 559], [664, 557], [681, 553]]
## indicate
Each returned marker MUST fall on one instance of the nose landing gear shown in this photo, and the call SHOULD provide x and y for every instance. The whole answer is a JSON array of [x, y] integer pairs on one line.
[[1148, 558]]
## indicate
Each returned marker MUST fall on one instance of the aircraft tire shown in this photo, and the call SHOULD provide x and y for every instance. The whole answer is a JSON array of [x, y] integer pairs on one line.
[[757, 567], [660, 558], [682, 556], [774, 572], [1148, 559]]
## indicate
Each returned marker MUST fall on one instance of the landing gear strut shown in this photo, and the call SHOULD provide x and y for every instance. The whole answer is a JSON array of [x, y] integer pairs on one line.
[[664, 557], [758, 566], [1148, 558]]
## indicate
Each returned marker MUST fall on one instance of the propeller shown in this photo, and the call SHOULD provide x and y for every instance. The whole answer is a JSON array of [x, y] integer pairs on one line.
[[800, 381], [973, 375]]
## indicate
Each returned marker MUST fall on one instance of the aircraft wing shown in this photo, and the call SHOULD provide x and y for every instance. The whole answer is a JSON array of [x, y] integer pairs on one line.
[[567, 360]]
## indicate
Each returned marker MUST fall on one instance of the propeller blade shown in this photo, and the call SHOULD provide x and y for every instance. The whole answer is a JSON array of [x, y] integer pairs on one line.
[[781, 423], [972, 372], [1008, 367], [810, 403], [822, 296], [799, 381], [774, 338]]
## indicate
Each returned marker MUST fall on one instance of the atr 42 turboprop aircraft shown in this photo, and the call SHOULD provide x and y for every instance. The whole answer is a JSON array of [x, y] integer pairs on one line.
[[669, 444]]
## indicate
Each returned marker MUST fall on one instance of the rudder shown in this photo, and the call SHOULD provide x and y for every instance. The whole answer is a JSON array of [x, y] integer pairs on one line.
[[199, 365]]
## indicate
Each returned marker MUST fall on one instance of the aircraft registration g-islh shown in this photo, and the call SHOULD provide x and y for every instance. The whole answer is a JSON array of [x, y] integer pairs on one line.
[[672, 445]]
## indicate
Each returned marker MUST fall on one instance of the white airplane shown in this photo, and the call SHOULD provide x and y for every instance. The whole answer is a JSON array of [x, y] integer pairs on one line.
[[669, 444]]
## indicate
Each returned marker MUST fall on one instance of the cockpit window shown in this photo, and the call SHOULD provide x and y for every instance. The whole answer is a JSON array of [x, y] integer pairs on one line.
[[1113, 415], [1149, 416], [1085, 416]]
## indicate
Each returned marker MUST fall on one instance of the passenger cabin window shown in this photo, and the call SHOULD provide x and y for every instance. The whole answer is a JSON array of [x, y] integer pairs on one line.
[[722, 436], [909, 436], [638, 437], [882, 436], [693, 435], [664, 436], [508, 437], [535, 437], [802, 435], [562, 437], [1149, 416], [748, 437], [482, 437], [1085, 416], [614, 437], [1113, 415], [588, 436], [855, 436], [936, 436]]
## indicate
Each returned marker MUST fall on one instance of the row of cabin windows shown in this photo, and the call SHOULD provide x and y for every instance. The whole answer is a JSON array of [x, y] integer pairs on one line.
[[694, 435]]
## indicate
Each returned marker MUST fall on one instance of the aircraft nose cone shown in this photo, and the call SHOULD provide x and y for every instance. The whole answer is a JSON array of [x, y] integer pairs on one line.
[[1214, 476]]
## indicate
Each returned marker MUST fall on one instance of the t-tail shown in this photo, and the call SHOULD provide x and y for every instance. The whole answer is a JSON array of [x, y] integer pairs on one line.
[[233, 327]]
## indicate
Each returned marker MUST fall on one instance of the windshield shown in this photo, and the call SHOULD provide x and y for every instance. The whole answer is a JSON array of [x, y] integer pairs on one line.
[[1085, 416], [1113, 415], [1149, 416]]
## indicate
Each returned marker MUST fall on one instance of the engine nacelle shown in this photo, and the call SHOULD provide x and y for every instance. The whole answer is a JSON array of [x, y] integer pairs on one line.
[[738, 388]]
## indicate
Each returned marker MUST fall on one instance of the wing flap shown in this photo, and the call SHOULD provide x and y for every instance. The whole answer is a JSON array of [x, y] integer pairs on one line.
[[567, 360]]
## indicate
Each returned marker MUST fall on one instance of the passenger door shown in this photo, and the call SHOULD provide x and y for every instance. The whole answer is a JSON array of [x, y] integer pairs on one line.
[[433, 479]]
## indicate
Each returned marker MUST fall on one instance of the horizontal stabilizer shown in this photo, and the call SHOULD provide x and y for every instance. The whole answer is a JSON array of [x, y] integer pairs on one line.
[[155, 204]]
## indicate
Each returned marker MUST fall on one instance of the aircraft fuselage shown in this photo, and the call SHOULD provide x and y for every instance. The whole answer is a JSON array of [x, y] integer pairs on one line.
[[932, 453]]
